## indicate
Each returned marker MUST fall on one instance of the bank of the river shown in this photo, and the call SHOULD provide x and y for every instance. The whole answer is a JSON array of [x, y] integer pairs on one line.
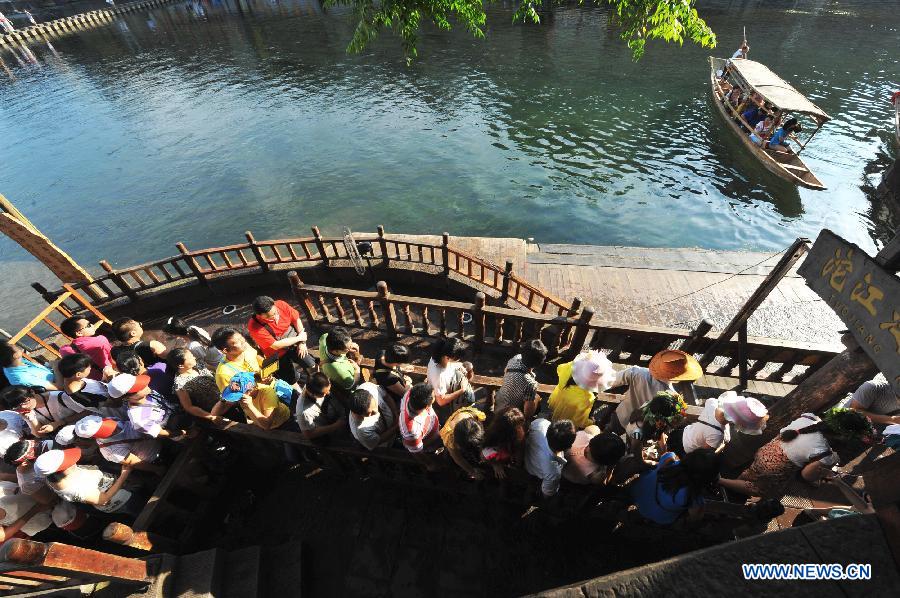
[[197, 121]]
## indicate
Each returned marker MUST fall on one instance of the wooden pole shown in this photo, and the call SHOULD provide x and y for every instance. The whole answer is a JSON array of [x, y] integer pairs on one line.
[[504, 290], [787, 261], [297, 286], [118, 280], [445, 252], [192, 263], [382, 244], [479, 321], [257, 252], [390, 315], [320, 246], [17, 227], [581, 331]]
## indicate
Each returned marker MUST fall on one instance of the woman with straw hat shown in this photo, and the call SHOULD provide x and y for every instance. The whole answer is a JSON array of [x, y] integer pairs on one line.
[[573, 397], [666, 367]]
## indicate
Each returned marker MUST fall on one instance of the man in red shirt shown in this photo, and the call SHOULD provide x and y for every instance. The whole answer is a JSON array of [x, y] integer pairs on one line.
[[277, 330]]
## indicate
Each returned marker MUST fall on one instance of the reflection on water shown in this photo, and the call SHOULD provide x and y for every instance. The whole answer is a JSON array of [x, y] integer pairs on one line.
[[200, 120]]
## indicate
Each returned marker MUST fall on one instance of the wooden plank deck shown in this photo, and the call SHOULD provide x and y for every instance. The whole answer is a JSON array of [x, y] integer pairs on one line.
[[665, 286]]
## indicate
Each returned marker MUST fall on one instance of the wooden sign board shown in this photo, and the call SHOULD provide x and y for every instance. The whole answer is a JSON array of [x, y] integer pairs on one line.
[[863, 294]]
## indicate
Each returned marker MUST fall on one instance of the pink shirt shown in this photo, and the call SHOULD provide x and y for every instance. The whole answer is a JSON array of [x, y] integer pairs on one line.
[[578, 467], [95, 347]]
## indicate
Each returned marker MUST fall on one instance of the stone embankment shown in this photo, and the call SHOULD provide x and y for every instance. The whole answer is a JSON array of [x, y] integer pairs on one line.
[[74, 23]]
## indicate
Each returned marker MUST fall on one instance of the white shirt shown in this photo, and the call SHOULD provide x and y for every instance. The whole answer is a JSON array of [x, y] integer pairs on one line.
[[16, 506], [709, 433], [802, 449], [368, 431], [641, 388], [540, 461], [738, 54], [15, 422], [441, 378]]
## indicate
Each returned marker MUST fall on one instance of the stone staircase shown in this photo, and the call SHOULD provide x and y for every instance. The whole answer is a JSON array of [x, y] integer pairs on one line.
[[249, 572]]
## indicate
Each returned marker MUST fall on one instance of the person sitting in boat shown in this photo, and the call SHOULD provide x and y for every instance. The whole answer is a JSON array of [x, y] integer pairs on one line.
[[753, 115], [734, 97], [779, 139], [762, 130]]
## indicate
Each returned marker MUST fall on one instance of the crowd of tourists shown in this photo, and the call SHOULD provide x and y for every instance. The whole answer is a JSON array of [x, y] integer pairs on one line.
[[88, 437]]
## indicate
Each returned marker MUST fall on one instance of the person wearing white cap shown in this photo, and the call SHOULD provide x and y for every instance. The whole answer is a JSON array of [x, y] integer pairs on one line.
[[21, 513], [22, 455], [66, 438], [87, 484], [120, 442], [148, 411], [573, 397], [76, 520], [746, 414]]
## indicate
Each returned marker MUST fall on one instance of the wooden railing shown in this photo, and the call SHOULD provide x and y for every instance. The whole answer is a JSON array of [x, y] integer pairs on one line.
[[206, 265], [27, 566], [68, 303], [482, 324]]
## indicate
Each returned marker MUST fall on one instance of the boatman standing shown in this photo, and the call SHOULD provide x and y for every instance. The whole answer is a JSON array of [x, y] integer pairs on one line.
[[741, 52]]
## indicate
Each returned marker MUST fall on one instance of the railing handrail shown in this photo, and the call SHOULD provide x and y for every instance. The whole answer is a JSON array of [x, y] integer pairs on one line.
[[491, 275]]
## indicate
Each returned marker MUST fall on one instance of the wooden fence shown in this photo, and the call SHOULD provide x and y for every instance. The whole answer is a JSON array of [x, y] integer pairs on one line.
[[46, 325], [206, 265], [482, 324]]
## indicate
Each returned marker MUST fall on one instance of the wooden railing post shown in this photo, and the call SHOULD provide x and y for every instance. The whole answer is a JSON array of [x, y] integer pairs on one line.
[[479, 321], [320, 246], [297, 286], [581, 331], [445, 252], [504, 289], [257, 251], [192, 263], [119, 281], [742, 356], [383, 245], [690, 345], [119, 533], [85, 303], [390, 316], [42, 290], [573, 309]]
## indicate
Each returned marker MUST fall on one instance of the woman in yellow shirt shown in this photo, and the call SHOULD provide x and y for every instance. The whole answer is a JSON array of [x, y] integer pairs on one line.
[[463, 437], [579, 379]]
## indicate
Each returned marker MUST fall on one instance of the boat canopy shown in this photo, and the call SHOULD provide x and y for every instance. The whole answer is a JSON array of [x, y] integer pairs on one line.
[[776, 90]]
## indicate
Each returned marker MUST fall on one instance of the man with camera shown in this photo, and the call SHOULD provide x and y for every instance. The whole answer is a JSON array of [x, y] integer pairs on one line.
[[278, 332]]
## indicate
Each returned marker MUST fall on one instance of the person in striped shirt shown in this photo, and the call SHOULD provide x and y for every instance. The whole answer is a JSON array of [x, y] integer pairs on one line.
[[419, 427]]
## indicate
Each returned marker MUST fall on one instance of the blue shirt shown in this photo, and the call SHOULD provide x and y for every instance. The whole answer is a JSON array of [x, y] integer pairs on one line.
[[778, 137], [29, 374], [752, 116], [655, 502]]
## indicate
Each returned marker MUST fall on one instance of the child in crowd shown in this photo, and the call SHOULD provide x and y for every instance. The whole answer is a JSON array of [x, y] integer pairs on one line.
[[388, 374], [544, 447], [161, 380], [504, 441], [128, 334], [86, 484], [450, 377], [654, 420], [121, 442], [148, 411], [261, 403], [319, 414], [746, 414], [463, 437], [196, 340], [419, 425], [674, 488], [340, 359], [593, 457], [238, 356], [193, 384], [373, 416]]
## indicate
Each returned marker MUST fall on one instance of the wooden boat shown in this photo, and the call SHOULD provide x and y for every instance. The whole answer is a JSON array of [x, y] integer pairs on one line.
[[757, 77]]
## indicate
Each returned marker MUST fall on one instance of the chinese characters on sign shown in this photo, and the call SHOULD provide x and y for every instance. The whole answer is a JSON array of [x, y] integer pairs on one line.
[[863, 294]]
